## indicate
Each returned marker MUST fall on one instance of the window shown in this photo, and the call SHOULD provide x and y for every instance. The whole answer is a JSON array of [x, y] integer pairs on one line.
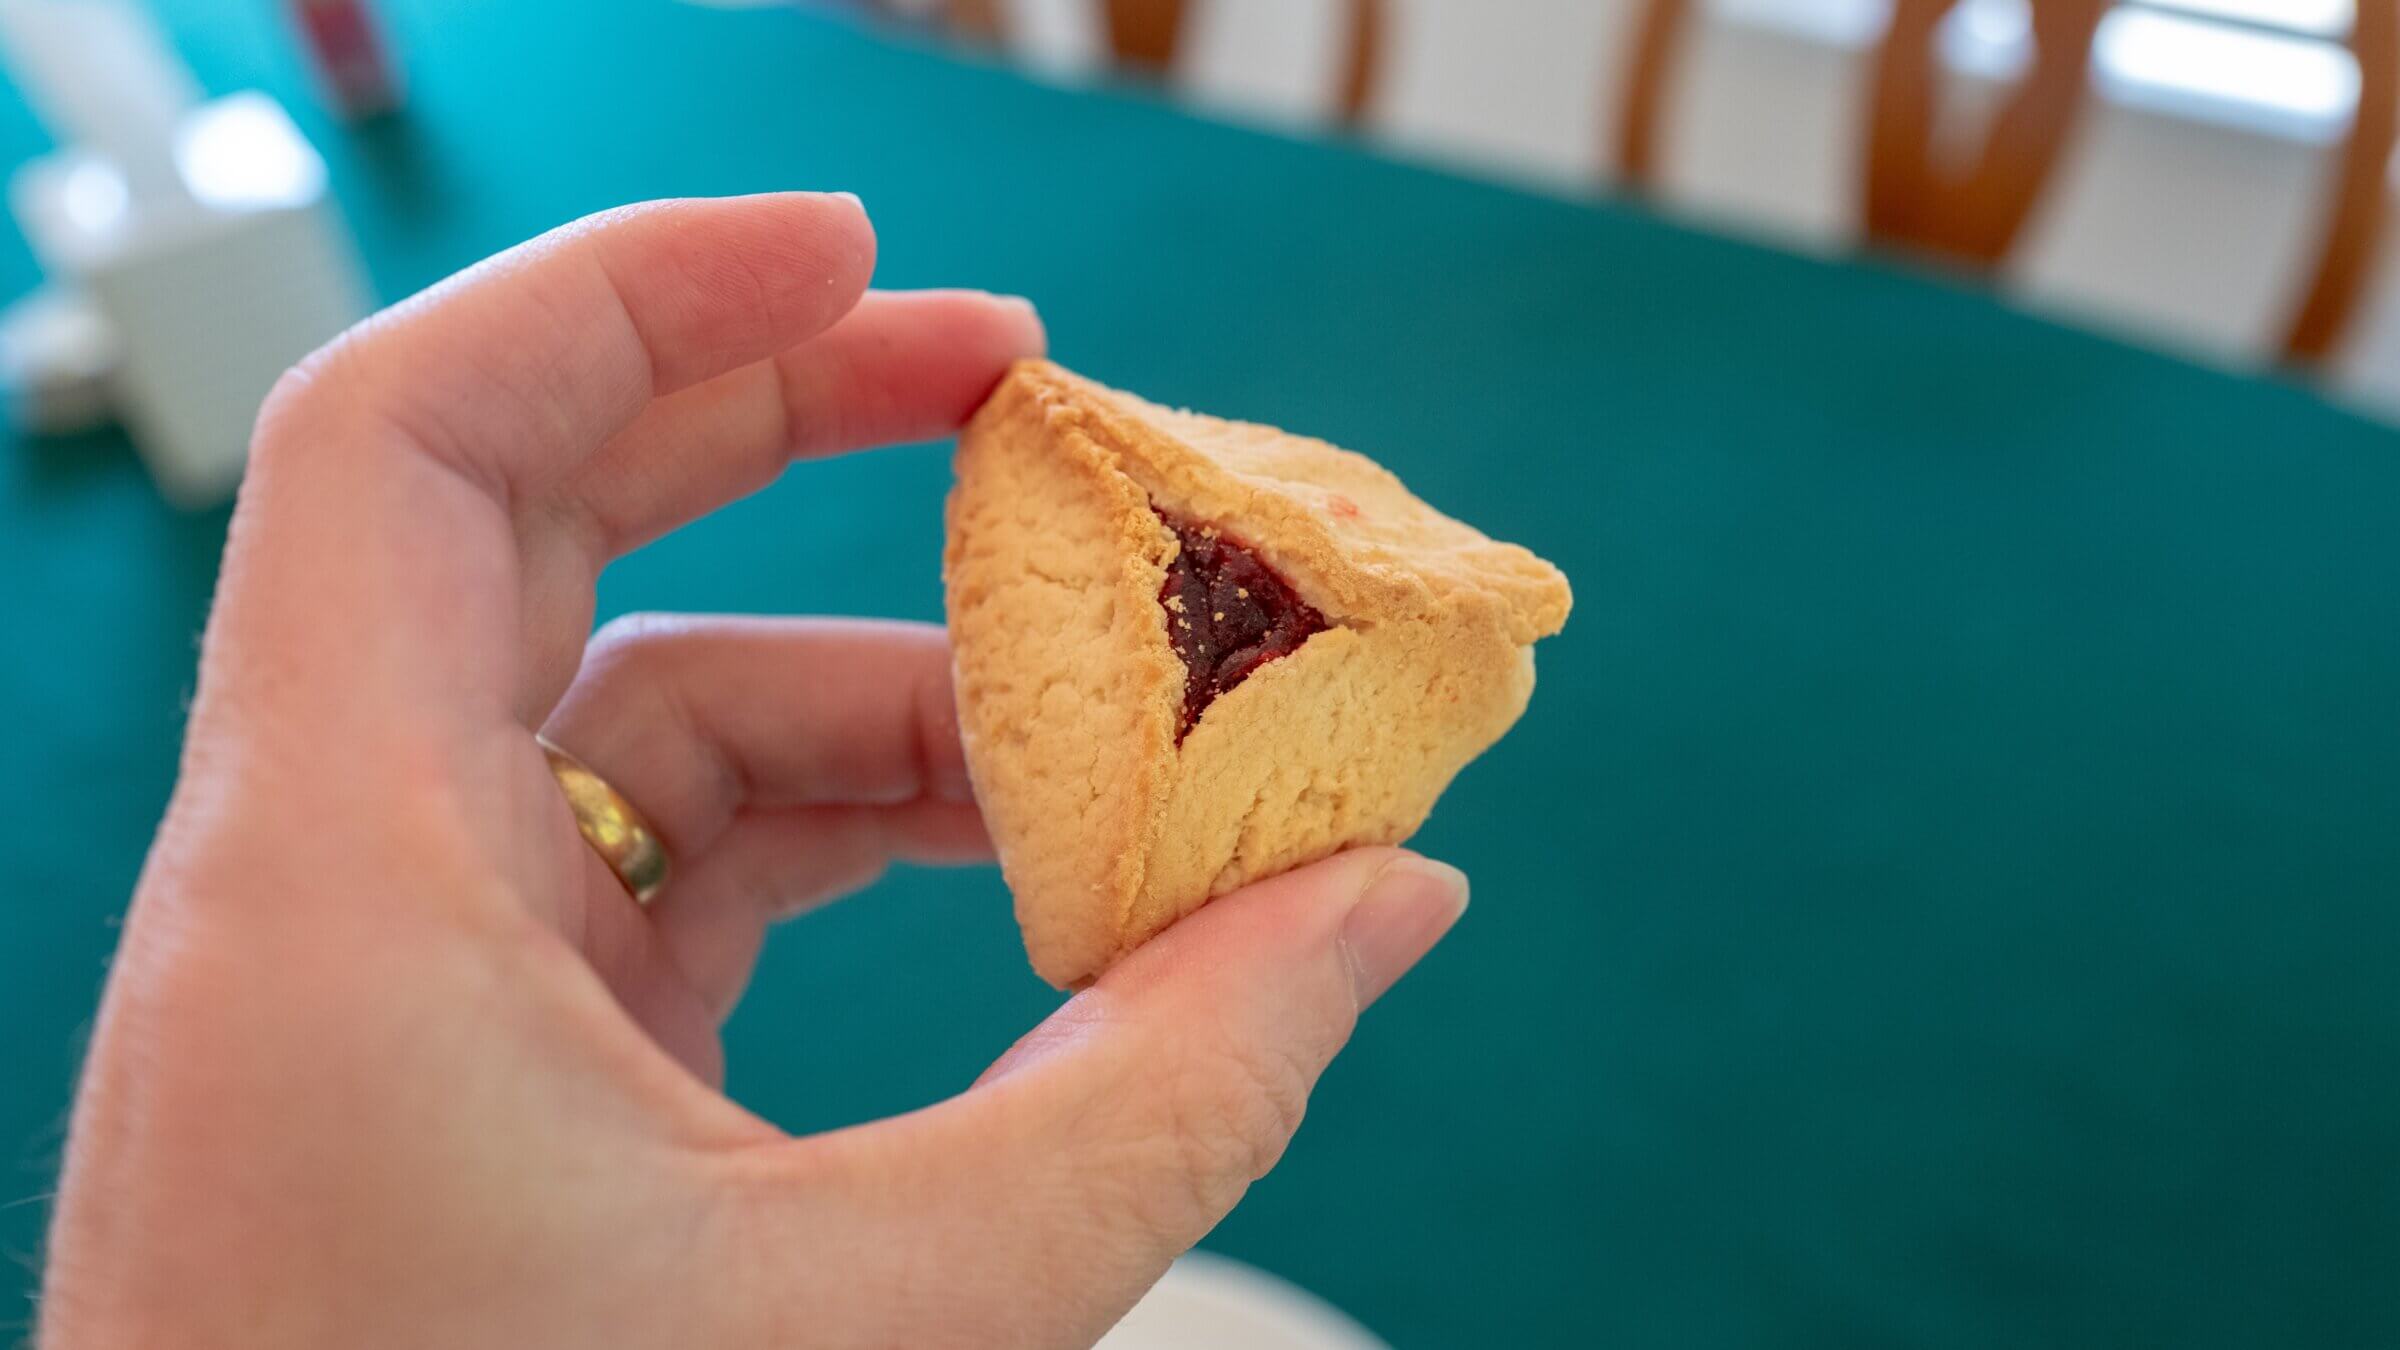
[[2303, 18], [2278, 66], [2275, 65]]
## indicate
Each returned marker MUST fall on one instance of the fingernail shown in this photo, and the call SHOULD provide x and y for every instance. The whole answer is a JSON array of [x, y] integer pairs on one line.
[[850, 197], [1401, 914]]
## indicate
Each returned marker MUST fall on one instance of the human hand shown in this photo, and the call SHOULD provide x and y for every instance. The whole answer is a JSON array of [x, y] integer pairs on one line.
[[389, 1057]]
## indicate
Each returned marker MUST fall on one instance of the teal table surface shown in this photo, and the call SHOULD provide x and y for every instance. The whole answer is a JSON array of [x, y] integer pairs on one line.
[[1946, 890]]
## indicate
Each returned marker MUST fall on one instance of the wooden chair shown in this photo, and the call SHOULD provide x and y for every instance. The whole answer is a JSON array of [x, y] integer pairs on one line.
[[1970, 210], [2360, 198], [1973, 215]]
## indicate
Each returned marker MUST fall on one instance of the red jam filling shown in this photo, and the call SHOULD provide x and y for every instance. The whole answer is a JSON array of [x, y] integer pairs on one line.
[[1228, 613]]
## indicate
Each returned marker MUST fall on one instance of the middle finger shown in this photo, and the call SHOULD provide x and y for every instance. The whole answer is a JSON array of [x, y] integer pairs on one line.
[[698, 719]]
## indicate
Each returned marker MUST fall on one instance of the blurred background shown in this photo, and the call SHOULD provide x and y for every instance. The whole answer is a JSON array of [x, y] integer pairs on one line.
[[2195, 173], [1946, 887]]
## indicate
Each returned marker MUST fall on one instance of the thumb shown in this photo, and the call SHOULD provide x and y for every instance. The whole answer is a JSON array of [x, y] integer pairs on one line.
[[1117, 1133]]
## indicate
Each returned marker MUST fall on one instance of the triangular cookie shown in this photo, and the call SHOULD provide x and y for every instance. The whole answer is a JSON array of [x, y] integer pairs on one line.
[[1193, 653]]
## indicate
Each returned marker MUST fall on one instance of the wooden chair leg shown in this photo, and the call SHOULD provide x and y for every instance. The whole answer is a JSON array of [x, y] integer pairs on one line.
[[2360, 198], [978, 19], [1145, 33], [1361, 62], [1657, 47], [1900, 123]]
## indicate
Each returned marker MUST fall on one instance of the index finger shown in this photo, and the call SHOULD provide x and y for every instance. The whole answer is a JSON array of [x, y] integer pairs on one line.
[[405, 478], [515, 369]]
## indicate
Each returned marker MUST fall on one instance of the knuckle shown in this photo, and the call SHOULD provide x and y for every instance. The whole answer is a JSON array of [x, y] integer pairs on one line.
[[624, 660], [631, 645], [341, 395], [316, 380], [1156, 1121], [286, 399], [1261, 1094], [1227, 1112]]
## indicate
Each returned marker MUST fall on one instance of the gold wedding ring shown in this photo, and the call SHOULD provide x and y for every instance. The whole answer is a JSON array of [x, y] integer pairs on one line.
[[610, 824]]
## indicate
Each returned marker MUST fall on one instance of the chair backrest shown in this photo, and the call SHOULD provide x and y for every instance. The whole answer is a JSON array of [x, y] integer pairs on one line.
[[2360, 198], [1659, 38], [1911, 199], [1973, 213], [1145, 34], [1917, 192], [979, 19]]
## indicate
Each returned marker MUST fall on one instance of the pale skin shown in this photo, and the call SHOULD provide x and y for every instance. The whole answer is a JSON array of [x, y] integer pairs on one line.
[[389, 1057]]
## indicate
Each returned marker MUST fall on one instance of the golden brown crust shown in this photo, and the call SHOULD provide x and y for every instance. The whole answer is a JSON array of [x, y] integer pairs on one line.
[[1068, 690]]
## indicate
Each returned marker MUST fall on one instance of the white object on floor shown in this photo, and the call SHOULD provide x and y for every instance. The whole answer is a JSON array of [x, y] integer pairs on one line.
[[199, 233], [101, 77], [58, 361], [212, 288], [2366, 370], [1208, 1302]]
